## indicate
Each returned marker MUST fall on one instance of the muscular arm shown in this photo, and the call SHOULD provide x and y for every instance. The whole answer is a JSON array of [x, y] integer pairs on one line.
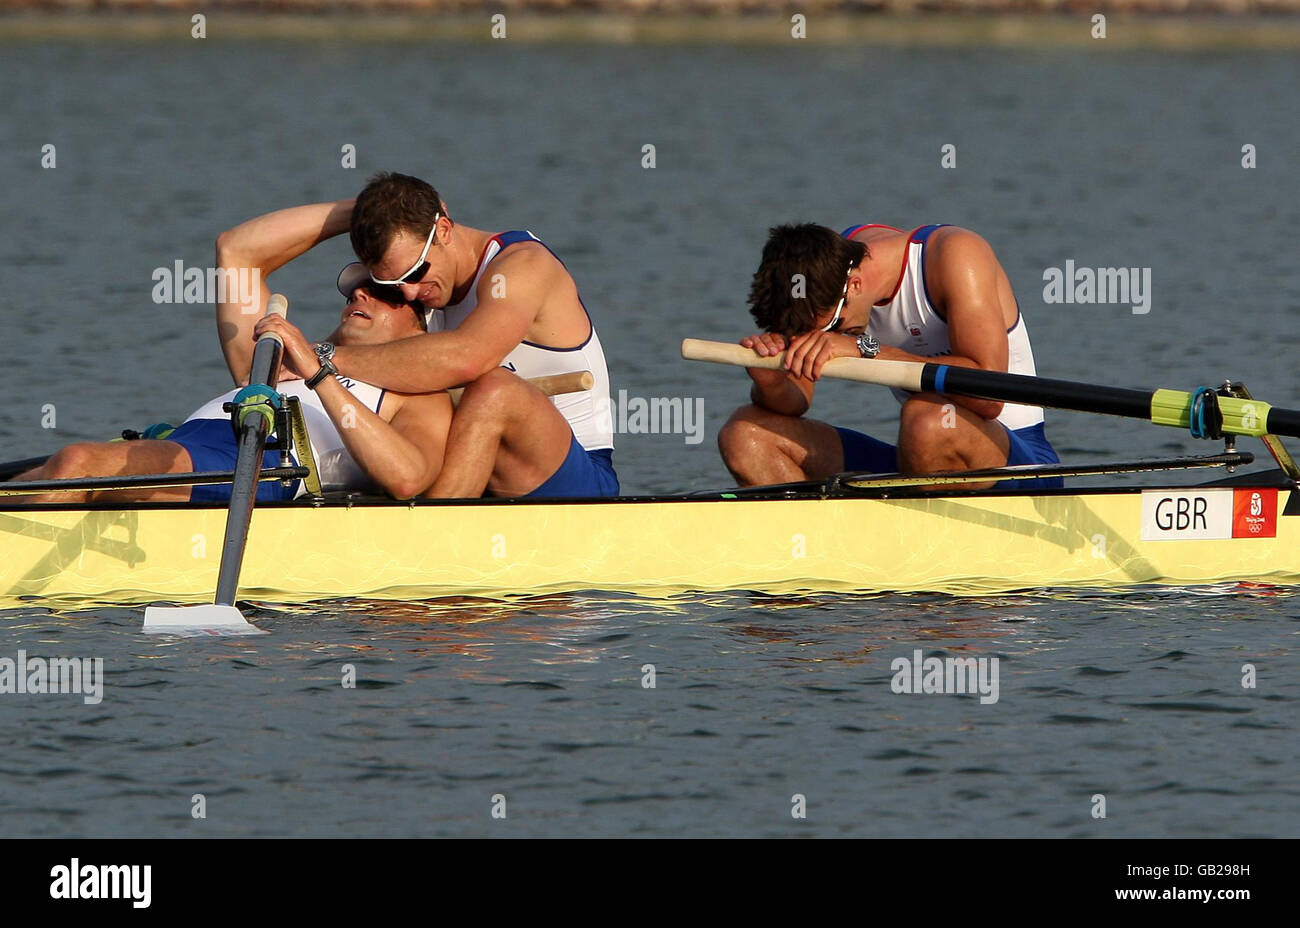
[[497, 325], [963, 274], [780, 391], [263, 245], [403, 456]]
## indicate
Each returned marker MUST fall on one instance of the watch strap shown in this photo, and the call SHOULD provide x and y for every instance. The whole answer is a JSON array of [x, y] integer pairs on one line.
[[326, 369]]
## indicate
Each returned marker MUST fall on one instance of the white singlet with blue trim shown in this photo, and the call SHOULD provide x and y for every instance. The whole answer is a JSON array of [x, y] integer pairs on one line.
[[338, 469], [910, 323], [587, 412]]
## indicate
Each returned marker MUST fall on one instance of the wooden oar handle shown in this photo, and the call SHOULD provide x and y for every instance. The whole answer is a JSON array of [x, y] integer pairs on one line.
[[550, 385], [277, 305], [556, 384], [904, 375]]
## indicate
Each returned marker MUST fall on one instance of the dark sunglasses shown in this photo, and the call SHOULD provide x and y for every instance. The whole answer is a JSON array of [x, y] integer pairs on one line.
[[386, 293], [393, 297]]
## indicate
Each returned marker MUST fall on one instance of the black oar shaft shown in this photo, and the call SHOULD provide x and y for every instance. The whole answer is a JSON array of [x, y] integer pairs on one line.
[[1162, 407], [248, 467], [142, 481], [1037, 391], [1284, 421]]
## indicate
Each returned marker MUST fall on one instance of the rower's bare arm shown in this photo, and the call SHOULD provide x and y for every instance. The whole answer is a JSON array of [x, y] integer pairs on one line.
[[424, 421], [780, 392], [236, 319], [513, 299], [263, 245], [510, 298], [272, 240], [403, 456], [963, 275]]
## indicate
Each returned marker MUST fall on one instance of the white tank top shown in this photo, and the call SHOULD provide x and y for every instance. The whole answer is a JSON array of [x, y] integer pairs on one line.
[[588, 412], [910, 323], [338, 469]]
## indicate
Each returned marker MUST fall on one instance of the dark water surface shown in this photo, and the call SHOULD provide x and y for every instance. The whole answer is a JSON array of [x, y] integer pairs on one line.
[[1115, 159]]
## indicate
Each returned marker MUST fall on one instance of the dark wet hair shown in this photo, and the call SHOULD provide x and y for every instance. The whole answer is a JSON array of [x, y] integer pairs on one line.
[[822, 256], [390, 204]]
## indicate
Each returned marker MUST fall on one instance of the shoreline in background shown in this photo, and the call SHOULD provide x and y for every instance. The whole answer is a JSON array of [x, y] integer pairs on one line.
[[1011, 30]]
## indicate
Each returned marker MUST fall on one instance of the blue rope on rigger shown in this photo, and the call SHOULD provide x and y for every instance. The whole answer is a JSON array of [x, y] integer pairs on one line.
[[1204, 419]]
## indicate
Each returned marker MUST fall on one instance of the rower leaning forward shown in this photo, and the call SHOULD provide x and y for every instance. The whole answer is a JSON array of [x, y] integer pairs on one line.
[[937, 294]]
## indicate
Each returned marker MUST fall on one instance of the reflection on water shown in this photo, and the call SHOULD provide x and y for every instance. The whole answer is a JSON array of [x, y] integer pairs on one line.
[[785, 629]]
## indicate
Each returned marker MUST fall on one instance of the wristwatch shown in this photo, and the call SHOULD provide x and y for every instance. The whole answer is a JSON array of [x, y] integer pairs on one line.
[[326, 368], [324, 351], [868, 345]]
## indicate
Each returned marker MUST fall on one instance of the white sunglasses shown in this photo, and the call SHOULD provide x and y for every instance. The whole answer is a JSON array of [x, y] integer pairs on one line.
[[419, 268], [839, 307]]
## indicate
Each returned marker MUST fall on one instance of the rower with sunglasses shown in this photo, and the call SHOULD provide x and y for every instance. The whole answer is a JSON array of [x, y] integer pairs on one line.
[[502, 309], [935, 294]]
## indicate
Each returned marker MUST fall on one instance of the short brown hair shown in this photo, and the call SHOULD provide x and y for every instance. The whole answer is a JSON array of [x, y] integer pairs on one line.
[[819, 255], [390, 204]]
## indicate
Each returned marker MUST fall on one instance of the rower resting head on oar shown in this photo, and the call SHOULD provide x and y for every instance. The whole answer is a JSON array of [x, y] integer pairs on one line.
[[363, 437], [934, 294]]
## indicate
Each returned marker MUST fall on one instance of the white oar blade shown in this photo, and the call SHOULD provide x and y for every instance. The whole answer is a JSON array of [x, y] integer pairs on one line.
[[195, 621]]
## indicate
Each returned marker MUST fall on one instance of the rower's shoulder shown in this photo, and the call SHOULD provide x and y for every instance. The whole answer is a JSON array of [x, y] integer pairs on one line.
[[951, 247], [950, 237], [526, 262], [524, 252]]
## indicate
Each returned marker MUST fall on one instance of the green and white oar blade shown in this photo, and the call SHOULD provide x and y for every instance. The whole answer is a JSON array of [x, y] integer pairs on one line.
[[198, 621]]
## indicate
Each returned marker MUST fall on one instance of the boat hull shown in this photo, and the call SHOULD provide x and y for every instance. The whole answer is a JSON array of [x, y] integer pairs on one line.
[[968, 543]]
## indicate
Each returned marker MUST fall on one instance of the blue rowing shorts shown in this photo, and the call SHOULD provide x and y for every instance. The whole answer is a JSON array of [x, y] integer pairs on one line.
[[583, 473], [211, 445], [1028, 446]]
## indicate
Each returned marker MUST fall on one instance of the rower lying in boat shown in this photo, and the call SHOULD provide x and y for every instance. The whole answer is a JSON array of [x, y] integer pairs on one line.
[[937, 294], [362, 437]]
